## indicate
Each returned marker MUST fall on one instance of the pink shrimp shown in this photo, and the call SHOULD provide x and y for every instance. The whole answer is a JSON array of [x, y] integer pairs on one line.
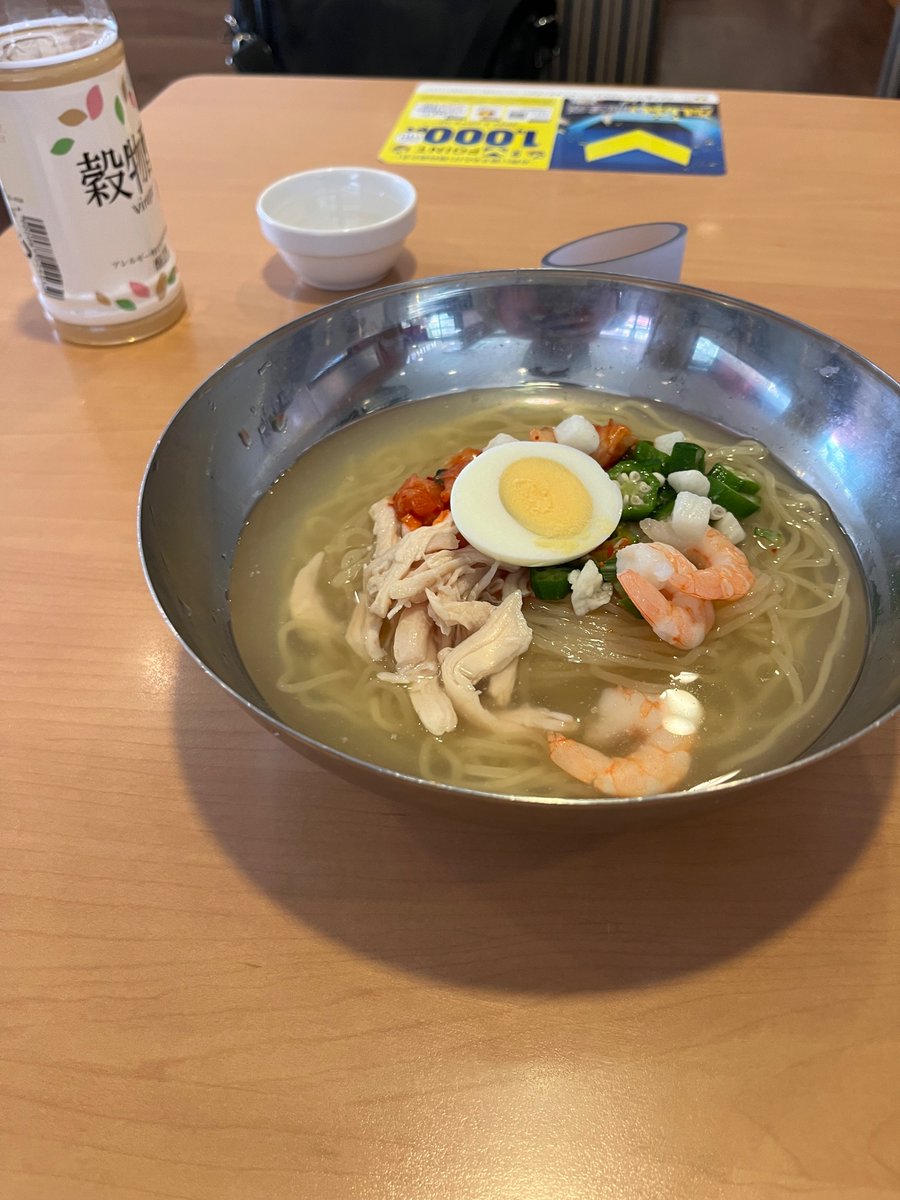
[[543, 433], [723, 574], [676, 618], [615, 439], [667, 726]]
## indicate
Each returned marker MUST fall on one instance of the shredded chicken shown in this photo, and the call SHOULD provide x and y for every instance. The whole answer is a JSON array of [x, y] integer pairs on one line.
[[515, 581], [457, 627], [364, 632], [414, 644], [364, 629], [448, 612], [501, 685], [500, 641], [306, 605], [385, 526], [444, 566], [415, 662], [384, 574]]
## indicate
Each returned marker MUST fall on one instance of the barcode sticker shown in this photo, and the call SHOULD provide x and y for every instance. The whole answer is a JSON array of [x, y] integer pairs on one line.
[[39, 244]]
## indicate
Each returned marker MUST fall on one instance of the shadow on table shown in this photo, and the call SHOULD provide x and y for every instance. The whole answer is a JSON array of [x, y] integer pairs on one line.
[[281, 279], [32, 324], [520, 905]]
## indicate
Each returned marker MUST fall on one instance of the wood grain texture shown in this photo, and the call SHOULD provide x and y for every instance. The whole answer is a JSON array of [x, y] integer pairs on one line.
[[226, 975]]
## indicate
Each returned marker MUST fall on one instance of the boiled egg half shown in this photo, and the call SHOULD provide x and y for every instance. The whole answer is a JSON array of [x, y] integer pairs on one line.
[[532, 504]]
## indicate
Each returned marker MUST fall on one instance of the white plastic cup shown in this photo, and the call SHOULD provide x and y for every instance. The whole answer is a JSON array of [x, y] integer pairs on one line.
[[652, 251]]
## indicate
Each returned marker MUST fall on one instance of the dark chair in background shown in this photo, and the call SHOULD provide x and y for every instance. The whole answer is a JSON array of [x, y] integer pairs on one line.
[[769, 45], [426, 39]]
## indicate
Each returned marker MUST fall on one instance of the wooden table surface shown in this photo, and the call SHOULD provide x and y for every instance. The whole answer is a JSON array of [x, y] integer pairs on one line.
[[227, 975]]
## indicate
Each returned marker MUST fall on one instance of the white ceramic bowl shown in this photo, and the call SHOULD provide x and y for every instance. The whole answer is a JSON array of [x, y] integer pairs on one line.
[[338, 228]]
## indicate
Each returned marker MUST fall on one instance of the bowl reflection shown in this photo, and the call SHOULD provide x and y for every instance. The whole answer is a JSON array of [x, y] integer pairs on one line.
[[828, 415]]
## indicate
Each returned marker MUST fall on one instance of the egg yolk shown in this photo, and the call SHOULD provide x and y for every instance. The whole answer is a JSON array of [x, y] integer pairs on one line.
[[545, 497]]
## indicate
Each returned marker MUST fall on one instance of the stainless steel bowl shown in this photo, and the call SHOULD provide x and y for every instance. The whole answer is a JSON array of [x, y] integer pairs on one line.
[[829, 415]]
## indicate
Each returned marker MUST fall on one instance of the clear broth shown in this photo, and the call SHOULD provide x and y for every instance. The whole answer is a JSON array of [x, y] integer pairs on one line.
[[330, 483]]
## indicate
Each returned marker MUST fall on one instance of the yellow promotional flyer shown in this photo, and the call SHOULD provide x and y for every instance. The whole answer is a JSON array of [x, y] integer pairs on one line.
[[476, 126], [559, 127]]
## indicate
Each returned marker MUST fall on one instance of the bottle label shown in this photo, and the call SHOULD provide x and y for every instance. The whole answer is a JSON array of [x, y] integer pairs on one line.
[[79, 185]]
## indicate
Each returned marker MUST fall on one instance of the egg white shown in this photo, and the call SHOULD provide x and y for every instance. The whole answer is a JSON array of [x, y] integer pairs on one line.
[[485, 523]]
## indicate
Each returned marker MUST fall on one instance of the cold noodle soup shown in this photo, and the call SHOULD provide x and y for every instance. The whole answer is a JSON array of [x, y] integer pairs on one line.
[[661, 611]]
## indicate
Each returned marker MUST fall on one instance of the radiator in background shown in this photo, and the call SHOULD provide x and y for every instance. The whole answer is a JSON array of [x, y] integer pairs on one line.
[[605, 41]]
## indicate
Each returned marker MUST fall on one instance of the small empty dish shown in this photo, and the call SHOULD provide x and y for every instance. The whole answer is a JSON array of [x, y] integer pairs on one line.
[[338, 228]]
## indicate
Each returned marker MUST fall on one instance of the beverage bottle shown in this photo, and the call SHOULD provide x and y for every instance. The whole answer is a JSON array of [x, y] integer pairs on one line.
[[76, 175]]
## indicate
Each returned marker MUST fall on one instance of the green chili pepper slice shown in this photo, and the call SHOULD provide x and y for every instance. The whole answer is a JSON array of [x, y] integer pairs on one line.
[[552, 583], [768, 539], [729, 478], [665, 502], [639, 488], [732, 499], [647, 455], [686, 456]]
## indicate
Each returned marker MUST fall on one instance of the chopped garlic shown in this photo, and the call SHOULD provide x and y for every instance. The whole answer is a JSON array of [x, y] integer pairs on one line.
[[729, 526], [577, 431], [689, 481], [660, 531], [588, 589], [646, 561], [690, 517], [666, 441], [500, 439], [682, 712]]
